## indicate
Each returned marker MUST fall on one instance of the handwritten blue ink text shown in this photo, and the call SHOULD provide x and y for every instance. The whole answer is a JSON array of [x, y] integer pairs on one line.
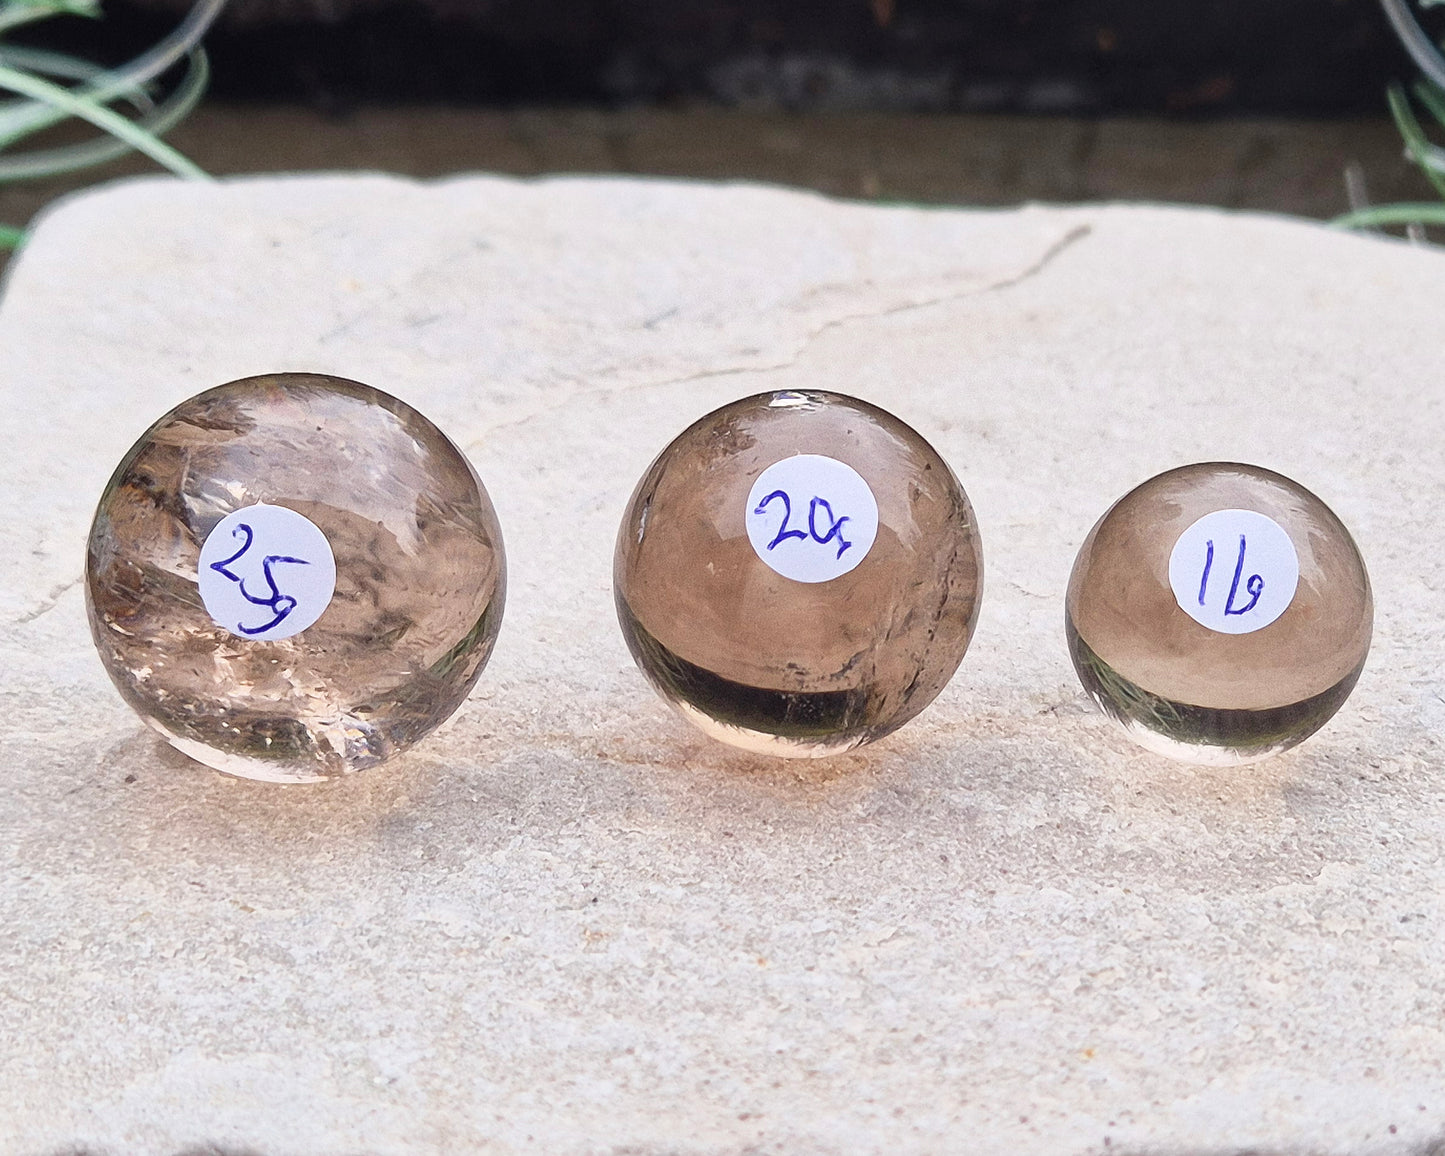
[[279, 604]]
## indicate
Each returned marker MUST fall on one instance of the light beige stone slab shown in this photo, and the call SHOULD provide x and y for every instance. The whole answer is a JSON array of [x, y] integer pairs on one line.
[[567, 923]]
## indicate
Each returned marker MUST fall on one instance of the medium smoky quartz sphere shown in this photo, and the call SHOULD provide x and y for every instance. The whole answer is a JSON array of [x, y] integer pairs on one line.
[[293, 577], [1220, 613], [798, 573]]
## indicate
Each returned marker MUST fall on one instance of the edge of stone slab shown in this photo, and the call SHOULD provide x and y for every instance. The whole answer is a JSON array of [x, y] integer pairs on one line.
[[85, 200]]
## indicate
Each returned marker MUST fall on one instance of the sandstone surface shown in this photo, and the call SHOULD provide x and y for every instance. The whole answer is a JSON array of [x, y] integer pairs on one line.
[[567, 923]]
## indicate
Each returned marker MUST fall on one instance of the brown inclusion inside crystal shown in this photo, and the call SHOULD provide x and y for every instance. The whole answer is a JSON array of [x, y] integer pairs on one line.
[[1124, 617], [717, 629], [419, 575]]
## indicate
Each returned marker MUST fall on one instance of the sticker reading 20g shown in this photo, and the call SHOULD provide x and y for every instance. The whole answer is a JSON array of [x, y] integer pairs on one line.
[[266, 572], [811, 518], [1234, 571]]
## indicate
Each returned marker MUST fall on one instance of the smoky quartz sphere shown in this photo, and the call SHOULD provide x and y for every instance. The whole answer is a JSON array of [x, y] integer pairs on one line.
[[419, 577], [771, 663], [1205, 695]]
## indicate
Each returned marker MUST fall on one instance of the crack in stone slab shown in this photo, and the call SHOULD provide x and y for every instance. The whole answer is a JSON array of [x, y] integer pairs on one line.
[[1038, 266], [1049, 255], [49, 604], [1045, 259]]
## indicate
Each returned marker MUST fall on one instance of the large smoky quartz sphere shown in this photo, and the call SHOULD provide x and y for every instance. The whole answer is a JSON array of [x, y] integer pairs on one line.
[[1220, 613], [798, 573], [294, 576]]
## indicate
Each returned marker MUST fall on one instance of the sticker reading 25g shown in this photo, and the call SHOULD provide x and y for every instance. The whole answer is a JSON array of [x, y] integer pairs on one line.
[[811, 518], [1234, 571], [266, 572]]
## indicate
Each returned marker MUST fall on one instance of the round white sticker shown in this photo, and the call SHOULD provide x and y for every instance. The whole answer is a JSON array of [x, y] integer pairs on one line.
[[811, 518], [266, 572], [1234, 571]]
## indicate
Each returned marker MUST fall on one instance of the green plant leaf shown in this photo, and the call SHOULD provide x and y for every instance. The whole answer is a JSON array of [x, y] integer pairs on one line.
[[89, 108], [33, 117], [1424, 213], [1417, 144], [1423, 51], [40, 163], [66, 67], [1431, 96], [14, 13]]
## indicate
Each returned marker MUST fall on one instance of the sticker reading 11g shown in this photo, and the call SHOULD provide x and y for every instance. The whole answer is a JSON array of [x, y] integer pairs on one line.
[[811, 518], [266, 572], [1234, 571]]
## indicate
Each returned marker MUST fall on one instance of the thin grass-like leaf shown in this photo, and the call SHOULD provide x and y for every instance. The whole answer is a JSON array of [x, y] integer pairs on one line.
[[18, 15], [1432, 97], [14, 13], [88, 108], [1417, 42], [41, 163], [1430, 157], [43, 102], [59, 64], [1417, 144], [137, 73], [66, 67], [1426, 213]]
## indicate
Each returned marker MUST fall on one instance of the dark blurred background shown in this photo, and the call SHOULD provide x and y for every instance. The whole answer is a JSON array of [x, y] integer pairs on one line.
[[1093, 57], [1252, 104]]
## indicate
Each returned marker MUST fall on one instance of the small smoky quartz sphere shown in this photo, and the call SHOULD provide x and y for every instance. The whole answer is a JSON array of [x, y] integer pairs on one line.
[[293, 577], [1220, 613], [798, 573]]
